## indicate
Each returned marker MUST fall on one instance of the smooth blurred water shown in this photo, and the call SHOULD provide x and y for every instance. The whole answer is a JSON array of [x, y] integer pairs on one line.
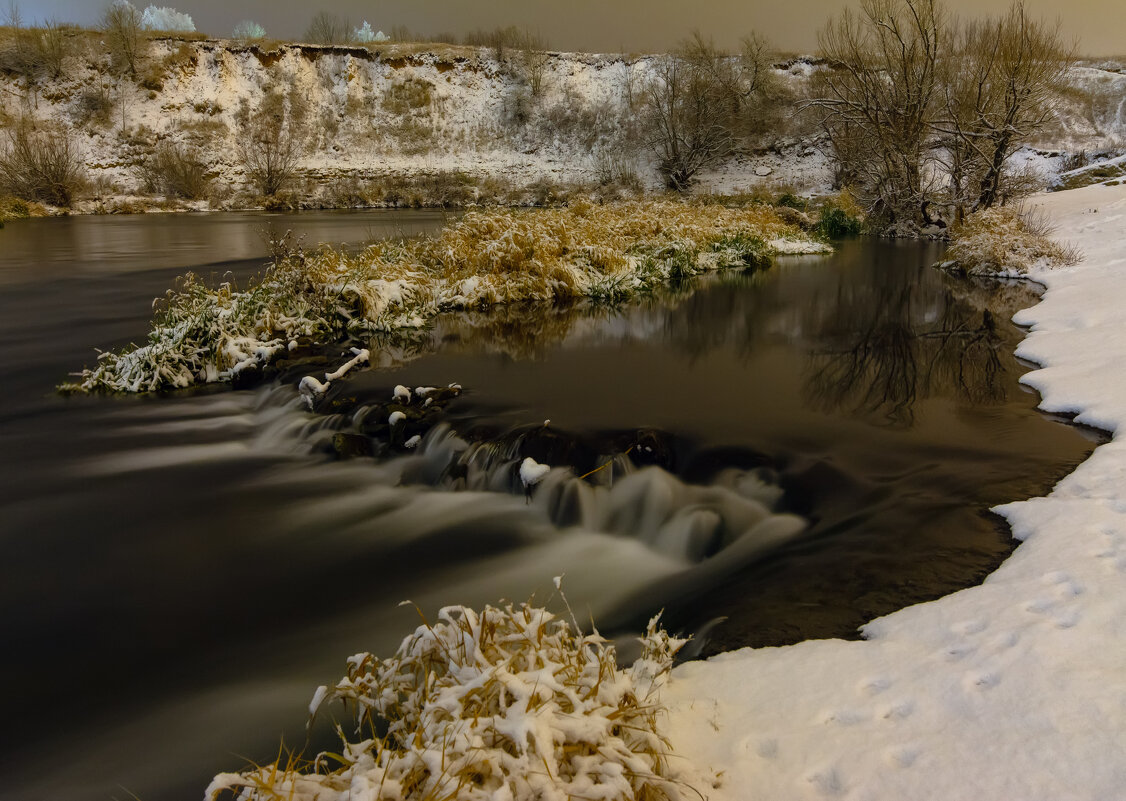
[[180, 573]]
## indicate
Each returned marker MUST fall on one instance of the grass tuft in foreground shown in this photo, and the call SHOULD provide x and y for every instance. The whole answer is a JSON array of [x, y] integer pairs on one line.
[[609, 252], [506, 703], [1006, 240]]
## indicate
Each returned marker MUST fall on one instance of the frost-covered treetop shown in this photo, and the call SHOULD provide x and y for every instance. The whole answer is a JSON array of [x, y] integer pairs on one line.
[[248, 29], [166, 19], [364, 34]]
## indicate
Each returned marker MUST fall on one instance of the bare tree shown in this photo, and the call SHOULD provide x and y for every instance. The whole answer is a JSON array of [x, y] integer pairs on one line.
[[878, 99], [534, 59], [1002, 83], [121, 25], [327, 29], [745, 81], [34, 53], [685, 122], [271, 144]]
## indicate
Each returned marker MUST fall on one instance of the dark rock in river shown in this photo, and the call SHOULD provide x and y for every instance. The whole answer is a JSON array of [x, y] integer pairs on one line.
[[352, 446]]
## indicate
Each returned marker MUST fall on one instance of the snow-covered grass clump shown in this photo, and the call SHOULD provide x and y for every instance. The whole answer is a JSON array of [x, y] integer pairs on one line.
[[1005, 241], [611, 252], [509, 703]]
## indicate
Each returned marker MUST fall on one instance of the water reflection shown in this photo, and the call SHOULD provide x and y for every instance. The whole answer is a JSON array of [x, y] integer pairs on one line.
[[883, 348], [877, 341]]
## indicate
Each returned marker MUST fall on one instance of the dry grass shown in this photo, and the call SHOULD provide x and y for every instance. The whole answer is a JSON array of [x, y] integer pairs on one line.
[[1007, 240], [507, 703], [605, 253]]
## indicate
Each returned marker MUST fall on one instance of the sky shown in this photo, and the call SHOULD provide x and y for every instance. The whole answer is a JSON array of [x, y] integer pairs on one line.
[[595, 25]]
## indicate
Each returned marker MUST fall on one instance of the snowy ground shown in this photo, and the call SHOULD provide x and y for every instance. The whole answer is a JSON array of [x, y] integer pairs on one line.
[[1012, 690]]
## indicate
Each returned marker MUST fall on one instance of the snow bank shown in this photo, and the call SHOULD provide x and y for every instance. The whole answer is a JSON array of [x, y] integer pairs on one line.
[[1012, 690]]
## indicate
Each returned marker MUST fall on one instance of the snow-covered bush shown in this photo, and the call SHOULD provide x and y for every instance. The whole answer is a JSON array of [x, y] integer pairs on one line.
[[248, 29], [508, 703], [166, 19], [365, 35], [1006, 240]]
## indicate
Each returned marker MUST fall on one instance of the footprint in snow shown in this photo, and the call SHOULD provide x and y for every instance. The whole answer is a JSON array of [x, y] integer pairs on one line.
[[982, 680], [844, 717], [767, 749], [1004, 642], [900, 710], [1040, 606], [875, 685], [959, 651], [1066, 619], [968, 627], [902, 756], [1063, 585], [826, 781]]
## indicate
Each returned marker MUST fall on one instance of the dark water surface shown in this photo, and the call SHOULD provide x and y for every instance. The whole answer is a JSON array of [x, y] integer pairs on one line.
[[180, 573]]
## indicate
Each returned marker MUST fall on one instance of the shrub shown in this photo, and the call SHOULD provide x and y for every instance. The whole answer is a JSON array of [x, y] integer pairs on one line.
[[93, 107], [407, 95], [248, 29], [271, 145], [792, 201], [613, 168], [39, 164], [840, 217], [153, 79], [1006, 239], [506, 703], [177, 171]]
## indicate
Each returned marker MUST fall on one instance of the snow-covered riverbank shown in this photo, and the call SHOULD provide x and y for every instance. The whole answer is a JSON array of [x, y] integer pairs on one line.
[[1012, 690]]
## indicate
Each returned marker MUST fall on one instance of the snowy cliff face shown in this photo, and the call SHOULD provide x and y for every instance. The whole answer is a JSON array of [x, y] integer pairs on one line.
[[411, 111], [360, 112]]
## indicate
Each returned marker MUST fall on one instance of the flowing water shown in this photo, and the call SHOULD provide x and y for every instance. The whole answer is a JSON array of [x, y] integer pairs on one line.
[[794, 450]]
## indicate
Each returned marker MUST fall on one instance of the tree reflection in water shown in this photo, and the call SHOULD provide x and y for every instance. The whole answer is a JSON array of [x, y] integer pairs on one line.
[[883, 349]]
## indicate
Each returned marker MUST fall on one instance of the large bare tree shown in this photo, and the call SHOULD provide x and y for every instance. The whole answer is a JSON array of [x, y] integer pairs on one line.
[[878, 99], [701, 101], [1002, 84]]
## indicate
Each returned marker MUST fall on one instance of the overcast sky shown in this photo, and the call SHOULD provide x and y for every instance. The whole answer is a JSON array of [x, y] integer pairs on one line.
[[599, 25]]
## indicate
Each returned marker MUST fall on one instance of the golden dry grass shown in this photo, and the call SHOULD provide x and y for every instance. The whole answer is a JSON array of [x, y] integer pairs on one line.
[[509, 702], [1006, 240], [605, 253]]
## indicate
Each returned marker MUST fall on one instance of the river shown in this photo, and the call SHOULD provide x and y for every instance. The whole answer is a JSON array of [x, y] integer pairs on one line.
[[181, 572]]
